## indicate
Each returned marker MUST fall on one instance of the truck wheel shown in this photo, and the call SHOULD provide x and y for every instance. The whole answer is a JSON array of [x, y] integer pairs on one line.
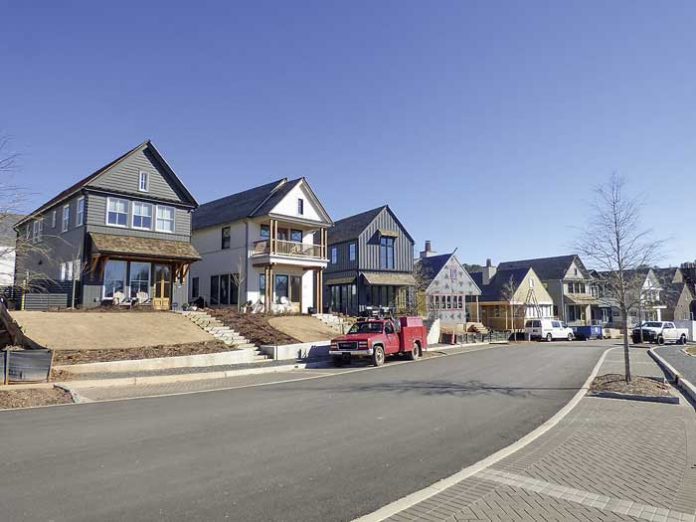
[[549, 337], [338, 360], [570, 337], [682, 339], [378, 356], [414, 353], [660, 340], [636, 339]]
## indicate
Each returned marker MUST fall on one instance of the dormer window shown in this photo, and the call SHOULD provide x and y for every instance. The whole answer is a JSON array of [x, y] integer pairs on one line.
[[300, 206], [144, 182]]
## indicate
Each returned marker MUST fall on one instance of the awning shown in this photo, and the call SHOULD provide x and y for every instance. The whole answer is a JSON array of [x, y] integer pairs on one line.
[[390, 279], [340, 281], [581, 299], [387, 233], [140, 247]]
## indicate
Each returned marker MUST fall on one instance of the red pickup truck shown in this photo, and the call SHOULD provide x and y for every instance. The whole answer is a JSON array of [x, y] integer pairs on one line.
[[377, 338]]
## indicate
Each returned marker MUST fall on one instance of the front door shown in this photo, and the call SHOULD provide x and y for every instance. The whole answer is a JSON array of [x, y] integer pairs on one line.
[[163, 287]]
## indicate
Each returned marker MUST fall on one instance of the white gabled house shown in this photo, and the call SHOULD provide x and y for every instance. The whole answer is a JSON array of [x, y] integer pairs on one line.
[[265, 246]]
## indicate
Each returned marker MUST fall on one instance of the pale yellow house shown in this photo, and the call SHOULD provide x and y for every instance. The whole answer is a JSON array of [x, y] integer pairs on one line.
[[510, 297]]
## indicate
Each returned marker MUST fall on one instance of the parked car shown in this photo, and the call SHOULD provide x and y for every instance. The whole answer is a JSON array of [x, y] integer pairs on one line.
[[377, 338], [587, 332], [548, 329], [659, 332]]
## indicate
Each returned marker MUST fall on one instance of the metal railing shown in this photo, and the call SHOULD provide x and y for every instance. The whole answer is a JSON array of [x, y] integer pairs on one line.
[[287, 248]]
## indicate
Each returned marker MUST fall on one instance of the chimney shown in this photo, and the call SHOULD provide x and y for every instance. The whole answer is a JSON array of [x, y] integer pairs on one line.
[[488, 272], [428, 251]]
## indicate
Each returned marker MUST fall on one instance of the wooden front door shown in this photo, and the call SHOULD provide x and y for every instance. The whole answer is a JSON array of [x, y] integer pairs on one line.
[[163, 287]]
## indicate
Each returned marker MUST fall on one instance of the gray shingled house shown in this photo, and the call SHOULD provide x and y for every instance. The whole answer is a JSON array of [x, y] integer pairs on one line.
[[120, 235], [370, 263]]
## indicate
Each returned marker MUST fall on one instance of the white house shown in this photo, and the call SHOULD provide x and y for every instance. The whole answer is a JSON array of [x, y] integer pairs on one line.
[[8, 238], [265, 246]]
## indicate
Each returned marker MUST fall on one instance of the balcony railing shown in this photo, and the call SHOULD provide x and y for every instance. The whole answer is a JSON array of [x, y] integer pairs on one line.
[[287, 248]]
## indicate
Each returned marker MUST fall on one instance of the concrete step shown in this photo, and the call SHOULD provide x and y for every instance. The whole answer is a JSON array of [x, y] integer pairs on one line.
[[246, 346]]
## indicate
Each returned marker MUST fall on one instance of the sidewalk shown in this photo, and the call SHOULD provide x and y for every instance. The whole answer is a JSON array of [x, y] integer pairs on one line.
[[606, 460]]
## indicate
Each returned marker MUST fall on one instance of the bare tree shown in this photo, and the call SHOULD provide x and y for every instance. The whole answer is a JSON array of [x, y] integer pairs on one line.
[[620, 249], [508, 292]]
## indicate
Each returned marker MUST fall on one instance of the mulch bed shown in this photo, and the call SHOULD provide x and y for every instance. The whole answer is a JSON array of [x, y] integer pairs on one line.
[[691, 350], [254, 327], [66, 357], [642, 386], [10, 399]]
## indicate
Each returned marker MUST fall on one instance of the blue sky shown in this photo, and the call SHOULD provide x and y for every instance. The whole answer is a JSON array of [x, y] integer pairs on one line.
[[484, 125]]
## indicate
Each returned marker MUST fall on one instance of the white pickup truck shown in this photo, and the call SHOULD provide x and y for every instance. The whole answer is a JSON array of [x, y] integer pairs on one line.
[[659, 332]]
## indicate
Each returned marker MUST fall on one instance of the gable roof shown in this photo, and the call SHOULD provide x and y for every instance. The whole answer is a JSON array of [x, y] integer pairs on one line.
[[494, 289], [351, 227], [547, 267], [429, 267], [257, 201], [76, 187], [671, 292]]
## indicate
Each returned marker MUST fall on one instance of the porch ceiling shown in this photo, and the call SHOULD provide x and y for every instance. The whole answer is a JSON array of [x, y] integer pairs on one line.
[[109, 245], [581, 299]]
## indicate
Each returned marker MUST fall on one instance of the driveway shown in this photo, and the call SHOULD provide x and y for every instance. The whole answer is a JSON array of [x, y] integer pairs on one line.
[[322, 449]]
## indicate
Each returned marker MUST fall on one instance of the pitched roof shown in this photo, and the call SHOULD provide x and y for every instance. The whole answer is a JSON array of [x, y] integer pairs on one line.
[[350, 228], [143, 247], [547, 267], [235, 206], [429, 267], [72, 189], [671, 292], [7, 223], [493, 291]]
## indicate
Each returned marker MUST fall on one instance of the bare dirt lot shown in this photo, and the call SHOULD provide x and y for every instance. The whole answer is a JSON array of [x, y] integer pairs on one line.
[[86, 331], [643, 386], [303, 328], [28, 398]]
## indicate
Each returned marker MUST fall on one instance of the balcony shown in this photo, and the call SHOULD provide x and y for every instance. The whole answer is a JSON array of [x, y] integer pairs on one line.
[[287, 249]]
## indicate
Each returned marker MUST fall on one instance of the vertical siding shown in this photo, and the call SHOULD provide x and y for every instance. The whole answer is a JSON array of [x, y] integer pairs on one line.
[[343, 263], [368, 245], [124, 177]]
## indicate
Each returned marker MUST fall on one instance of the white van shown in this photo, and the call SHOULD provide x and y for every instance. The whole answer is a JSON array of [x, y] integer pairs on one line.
[[548, 329]]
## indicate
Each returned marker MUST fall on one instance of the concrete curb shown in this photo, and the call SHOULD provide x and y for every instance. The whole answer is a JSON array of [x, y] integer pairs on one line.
[[683, 384], [397, 506], [178, 378], [631, 397]]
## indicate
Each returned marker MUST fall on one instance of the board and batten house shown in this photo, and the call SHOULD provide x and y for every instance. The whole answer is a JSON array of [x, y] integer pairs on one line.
[[446, 291], [265, 246], [119, 235], [370, 263], [510, 297]]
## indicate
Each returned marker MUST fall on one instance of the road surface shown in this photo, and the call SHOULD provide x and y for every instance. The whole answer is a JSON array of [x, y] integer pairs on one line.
[[322, 449]]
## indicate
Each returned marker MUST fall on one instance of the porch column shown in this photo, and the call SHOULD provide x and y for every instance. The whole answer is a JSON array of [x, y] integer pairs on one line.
[[272, 236], [478, 311]]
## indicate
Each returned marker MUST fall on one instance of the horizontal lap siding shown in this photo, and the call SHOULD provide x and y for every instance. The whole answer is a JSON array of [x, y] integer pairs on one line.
[[96, 219], [368, 245], [124, 177]]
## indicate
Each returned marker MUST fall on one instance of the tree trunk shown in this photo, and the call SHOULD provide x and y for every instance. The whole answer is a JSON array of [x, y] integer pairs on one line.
[[627, 355]]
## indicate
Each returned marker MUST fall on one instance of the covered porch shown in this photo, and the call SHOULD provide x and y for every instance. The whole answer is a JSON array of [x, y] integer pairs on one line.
[[126, 270]]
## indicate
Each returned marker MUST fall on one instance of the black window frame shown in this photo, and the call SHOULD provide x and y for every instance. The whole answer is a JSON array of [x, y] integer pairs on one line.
[[195, 288], [214, 290], [300, 206], [225, 237], [293, 235], [386, 253], [265, 232]]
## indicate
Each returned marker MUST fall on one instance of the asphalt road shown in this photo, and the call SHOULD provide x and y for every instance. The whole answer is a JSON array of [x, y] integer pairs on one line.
[[324, 449]]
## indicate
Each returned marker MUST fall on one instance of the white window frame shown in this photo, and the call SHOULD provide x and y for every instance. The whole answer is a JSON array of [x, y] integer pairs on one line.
[[106, 217], [65, 223], [143, 175], [152, 215], [173, 219], [36, 235], [27, 231], [80, 213], [126, 289], [63, 269], [334, 255], [53, 219]]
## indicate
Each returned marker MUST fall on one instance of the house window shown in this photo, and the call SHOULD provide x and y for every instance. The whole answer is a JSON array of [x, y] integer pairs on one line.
[[334, 255], [114, 279], [117, 212], [53, 219], [225, 238], [295, 289], [62, 271], [265, 232], [80, 214], [36, 231], [195, 288], [165, 219], [144, 182], [262, 284], [296, 236], [386, 253], [66, 218], [225, 289], [351, 252], [214, 290], [140, 279], [281, 287], [300, 206], [142, 216]]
